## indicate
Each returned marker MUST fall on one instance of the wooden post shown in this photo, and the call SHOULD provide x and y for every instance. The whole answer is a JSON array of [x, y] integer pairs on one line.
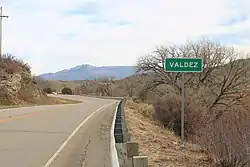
[[140, 161], [132, 149]]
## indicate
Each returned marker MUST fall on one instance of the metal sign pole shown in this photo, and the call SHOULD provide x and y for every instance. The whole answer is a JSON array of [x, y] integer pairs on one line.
[[182, 110], [182, 65]]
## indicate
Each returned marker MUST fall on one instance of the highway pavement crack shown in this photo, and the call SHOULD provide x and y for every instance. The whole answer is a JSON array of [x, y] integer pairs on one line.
[[84, 155]]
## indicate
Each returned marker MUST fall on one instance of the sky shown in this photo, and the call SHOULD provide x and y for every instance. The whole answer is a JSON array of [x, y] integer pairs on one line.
[[53, 35]]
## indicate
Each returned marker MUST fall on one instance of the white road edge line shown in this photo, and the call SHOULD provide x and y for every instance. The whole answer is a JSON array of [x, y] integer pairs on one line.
[[49, 162]]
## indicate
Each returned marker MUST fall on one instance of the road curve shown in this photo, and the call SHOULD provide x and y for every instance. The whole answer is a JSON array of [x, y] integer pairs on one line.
[[73, 135]]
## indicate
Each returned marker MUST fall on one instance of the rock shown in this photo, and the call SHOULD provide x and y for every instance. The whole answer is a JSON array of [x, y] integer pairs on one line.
[[16, 82]]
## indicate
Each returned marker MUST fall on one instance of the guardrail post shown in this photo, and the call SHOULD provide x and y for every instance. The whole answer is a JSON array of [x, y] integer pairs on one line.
[[140, 161], [132, 149]]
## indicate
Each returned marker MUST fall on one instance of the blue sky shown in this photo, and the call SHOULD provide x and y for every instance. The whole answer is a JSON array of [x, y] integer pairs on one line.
[[59, 34]]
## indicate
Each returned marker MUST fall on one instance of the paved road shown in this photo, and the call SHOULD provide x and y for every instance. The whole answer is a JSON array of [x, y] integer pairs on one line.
[[42, 136]]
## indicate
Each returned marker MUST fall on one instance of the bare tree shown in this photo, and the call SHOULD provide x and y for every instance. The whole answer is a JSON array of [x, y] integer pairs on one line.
[[229, 86], [223, 77], [83, 89], [104, 88], [129, 86]]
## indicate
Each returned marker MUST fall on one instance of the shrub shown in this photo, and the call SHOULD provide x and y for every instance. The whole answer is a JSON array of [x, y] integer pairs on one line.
[[167, 110], [67, 90], [132, 105], [47, 90], [227, 140], [136, 99], [143, 94], [11, 64], [146, 110]]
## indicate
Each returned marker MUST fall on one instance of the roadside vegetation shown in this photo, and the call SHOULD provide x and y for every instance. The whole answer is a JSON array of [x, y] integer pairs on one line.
[[48, 90], [67, 91]]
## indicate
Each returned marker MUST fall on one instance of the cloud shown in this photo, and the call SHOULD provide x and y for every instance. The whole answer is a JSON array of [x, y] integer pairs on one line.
[[61, 34], [234, 20], [87, 8]]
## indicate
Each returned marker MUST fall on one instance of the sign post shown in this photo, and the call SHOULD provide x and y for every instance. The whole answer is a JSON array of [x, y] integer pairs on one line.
[[183, 65]]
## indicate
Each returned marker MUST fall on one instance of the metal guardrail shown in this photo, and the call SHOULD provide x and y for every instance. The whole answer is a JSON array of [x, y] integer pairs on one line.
[[124, 152]]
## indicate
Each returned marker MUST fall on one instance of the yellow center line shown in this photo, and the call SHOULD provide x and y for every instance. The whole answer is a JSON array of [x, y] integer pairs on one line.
[[18, 117], [23, 116]]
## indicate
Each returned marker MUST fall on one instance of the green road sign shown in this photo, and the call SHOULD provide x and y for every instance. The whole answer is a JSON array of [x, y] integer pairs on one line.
[[184, 65]]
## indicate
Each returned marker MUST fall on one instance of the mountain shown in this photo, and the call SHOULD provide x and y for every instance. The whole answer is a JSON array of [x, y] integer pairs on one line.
[[89, 72]]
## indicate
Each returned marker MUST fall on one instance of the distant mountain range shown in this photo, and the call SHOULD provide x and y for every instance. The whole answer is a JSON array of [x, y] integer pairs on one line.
[[89, 72]]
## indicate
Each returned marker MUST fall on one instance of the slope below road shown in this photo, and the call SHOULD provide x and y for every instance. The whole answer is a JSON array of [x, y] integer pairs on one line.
[[30, 136]]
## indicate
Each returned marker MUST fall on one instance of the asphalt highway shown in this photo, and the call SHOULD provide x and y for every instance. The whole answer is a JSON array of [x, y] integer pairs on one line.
[[72, 135]]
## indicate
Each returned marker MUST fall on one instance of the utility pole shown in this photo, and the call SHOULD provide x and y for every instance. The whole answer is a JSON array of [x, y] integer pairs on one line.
[[1, 28]]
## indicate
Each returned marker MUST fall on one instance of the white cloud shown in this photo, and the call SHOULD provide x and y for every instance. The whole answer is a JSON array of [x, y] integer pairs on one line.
[[34, 28]]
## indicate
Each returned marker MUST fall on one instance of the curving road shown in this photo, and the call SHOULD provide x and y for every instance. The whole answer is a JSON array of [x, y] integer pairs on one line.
[[73, 135]]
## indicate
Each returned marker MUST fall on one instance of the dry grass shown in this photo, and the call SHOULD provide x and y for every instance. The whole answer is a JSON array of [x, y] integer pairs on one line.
[[159, 144], [56, 100], [44, 101]]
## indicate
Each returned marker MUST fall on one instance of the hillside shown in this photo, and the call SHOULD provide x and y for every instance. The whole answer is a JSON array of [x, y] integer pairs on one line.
[[17, 85], [88, 72], [19, 88]]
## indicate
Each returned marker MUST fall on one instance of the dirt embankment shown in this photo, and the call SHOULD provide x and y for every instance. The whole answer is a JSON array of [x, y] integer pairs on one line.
[[159, 144]]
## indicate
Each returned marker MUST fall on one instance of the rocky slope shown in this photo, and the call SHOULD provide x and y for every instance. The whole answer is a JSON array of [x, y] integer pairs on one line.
[[17, 85]]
